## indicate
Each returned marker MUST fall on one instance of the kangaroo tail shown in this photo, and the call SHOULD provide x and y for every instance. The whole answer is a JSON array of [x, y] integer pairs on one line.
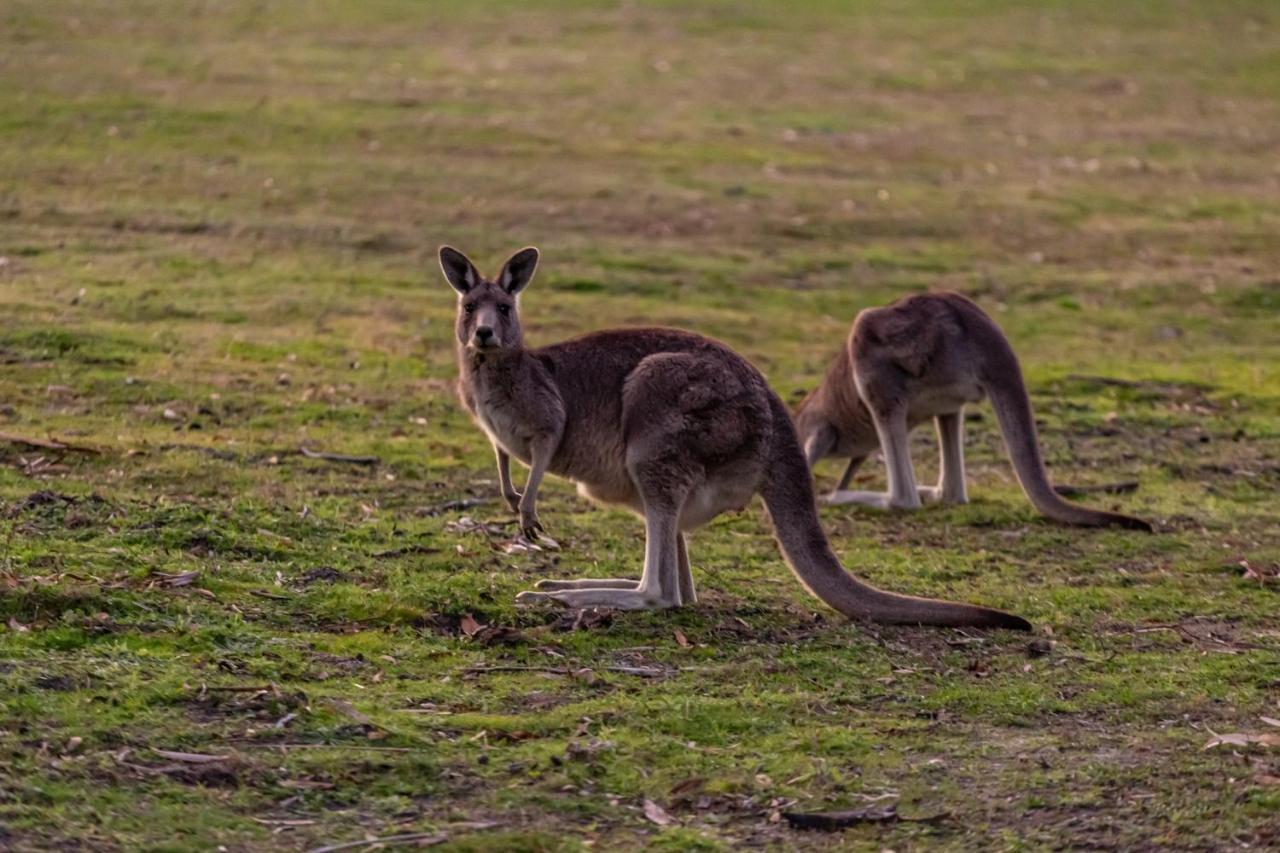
[[788, 495], [1003, 384]]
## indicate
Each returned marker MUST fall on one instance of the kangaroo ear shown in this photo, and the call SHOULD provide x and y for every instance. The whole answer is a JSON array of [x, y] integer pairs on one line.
[[517, 272], [458, 270]]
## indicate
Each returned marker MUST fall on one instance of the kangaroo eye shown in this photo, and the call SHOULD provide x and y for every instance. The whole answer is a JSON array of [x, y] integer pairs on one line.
[[470, 307], [504, 310]]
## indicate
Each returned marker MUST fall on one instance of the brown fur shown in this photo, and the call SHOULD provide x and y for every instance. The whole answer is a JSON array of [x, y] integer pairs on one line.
[[924, 357], [673, 425]]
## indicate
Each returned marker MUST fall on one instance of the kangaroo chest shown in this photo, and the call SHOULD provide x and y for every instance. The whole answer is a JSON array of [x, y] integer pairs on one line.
[[499, 416]]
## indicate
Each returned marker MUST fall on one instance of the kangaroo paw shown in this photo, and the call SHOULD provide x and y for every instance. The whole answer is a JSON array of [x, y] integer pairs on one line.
[[530, 527]]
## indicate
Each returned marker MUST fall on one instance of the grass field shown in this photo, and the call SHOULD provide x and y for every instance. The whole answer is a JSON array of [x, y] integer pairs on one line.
[[218, 223]]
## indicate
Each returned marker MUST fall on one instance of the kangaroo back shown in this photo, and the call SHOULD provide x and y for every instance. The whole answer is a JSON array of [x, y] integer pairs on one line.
[[1002, 380], [788, 495]]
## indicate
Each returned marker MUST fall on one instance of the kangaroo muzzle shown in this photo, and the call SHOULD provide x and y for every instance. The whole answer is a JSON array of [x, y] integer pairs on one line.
[[485, 335]]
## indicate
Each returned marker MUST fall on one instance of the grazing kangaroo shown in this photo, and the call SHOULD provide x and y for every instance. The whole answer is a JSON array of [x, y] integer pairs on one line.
[[673, 425], [922, 357]]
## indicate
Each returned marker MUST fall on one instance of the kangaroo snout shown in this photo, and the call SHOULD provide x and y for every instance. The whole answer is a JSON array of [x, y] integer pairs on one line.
[[484, 336]]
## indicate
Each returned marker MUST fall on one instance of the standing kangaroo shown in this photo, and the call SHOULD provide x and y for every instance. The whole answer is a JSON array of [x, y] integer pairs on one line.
[[922, 357], [673, 425]]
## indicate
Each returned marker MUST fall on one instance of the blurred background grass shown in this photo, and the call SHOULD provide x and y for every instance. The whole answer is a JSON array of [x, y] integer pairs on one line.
[[217, 232]]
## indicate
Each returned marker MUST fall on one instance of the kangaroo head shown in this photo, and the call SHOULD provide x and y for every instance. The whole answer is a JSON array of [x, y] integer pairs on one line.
[[488, 312]]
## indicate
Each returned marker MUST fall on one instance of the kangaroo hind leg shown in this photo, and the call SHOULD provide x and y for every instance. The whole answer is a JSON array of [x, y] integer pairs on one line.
[[588, 583], [891, 427], [951, 487], [687, 594], [659, 586]]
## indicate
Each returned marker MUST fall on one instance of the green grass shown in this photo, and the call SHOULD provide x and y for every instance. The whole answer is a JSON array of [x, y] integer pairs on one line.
[[217, 233]]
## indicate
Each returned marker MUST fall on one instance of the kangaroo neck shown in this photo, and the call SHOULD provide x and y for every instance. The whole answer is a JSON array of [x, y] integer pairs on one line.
[[489, 367]]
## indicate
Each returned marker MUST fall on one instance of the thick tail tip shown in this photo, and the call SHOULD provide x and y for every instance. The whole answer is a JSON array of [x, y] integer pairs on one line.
[[1130, 523], [1000, 619], [1100, 518], [1126, 522]]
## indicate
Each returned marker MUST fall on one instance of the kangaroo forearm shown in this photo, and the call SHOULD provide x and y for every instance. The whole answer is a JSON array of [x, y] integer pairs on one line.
[[504, 472], [541, 451], [529, 497]]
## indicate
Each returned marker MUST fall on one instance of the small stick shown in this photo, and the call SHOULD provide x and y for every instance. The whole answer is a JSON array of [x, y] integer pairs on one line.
[[44, 443], [348, 746], [216, 453], [462, 503], [429, 837], [338, 457], [643, 672], [408, 549], [554, 670]]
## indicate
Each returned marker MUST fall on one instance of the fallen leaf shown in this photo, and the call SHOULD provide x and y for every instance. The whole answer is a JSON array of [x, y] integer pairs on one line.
[[499, 635], [574, 620], [1243, 739], [656, 814], [681, 639], [469, 626], [180, 579], [467, 524], [349, 711]]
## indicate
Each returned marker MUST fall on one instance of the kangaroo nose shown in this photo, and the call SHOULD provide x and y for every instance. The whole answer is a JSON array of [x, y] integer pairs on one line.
[[483, 334]]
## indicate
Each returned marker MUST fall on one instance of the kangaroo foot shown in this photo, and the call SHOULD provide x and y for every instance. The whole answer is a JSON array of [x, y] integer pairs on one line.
[[618, 599], [588, 583], [930, 494], [941, 495], [877, 500]]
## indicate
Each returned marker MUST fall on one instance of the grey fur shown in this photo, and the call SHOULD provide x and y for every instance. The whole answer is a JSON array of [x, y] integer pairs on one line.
[[925, 357], [673, 425]]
